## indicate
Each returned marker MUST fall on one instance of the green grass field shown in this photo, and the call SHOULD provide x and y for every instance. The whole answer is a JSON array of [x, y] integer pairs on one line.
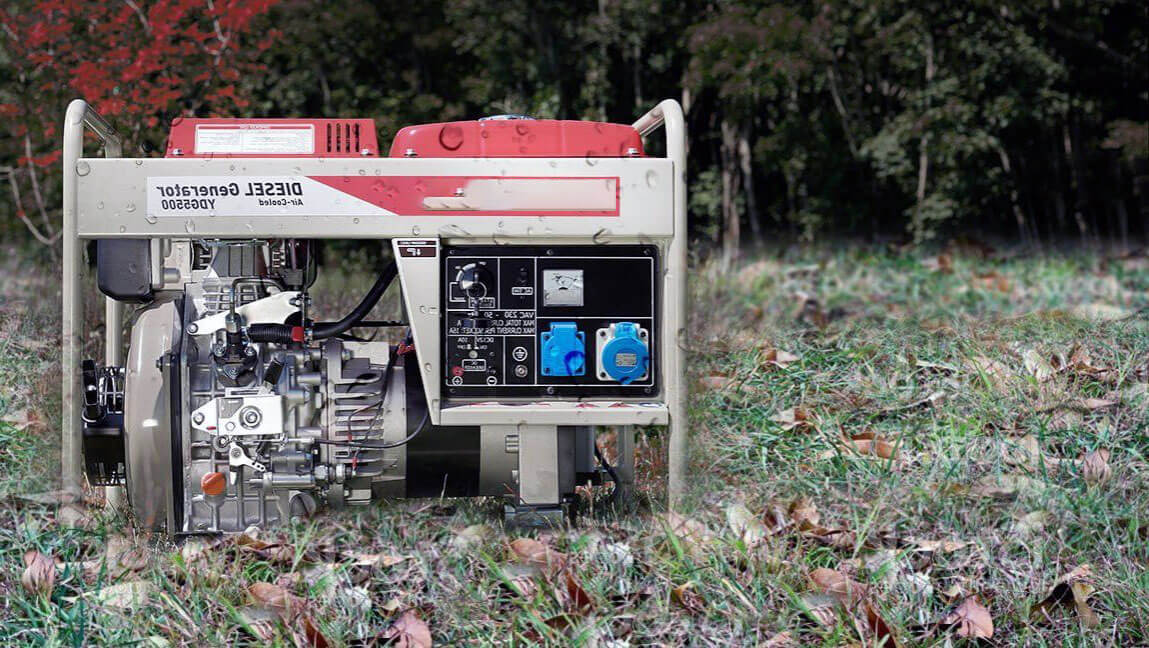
[[885, 448]]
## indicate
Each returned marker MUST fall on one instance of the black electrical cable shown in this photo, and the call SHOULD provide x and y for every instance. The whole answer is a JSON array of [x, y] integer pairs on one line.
[[323, 330], [614, 493], [367, 445]]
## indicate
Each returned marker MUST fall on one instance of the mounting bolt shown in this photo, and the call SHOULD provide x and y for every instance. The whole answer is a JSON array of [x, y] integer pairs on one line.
[[197, 418], [632, 151], [177, 151], [409, 153], [193, 328]]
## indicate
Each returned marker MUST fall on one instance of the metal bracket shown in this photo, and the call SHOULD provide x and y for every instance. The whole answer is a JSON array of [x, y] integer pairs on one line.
[[273, 309]]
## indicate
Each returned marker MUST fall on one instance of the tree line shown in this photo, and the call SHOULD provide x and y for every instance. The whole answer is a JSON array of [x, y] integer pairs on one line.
[[919, 119]]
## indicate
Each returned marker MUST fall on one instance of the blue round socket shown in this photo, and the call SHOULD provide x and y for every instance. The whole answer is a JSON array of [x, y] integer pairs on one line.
[[625, 358]]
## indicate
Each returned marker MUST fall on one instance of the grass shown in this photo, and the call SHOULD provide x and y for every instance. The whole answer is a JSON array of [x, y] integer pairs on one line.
[[990, 379]]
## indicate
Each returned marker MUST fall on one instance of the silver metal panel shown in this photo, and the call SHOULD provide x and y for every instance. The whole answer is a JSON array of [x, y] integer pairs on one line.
[[112, 199], [147, 416], [556, 413], [419, 276], [538, 464]]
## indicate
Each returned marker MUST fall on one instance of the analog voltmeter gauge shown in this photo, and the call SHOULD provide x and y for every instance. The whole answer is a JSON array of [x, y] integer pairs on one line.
[[562, 288]]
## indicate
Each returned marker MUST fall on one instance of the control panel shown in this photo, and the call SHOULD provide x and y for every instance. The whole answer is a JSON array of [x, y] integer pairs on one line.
[[562, 320]]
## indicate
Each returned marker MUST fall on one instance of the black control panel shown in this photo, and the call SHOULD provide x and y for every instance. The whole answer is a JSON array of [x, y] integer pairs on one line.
[[564, 320]]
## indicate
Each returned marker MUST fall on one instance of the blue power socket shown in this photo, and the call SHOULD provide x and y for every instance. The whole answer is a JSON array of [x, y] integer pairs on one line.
[[563, 350]]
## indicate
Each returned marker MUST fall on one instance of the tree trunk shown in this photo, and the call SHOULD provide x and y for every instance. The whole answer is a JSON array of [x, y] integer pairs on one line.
[[731, 233], [923, 146], [746, 166]]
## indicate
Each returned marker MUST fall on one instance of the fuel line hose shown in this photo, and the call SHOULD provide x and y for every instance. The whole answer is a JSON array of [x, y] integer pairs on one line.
[[284, 333]]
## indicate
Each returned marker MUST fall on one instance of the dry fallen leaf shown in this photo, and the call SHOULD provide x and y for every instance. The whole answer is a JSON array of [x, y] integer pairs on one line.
[[781, 640], [992, 371], [871, 444], [795, 419], [772, 357], [1030, 523], [745, 524], [1075, 587], [39, 573], [846, 590], [942, 263], [692, 534], [940, 546], [1095, 467], [409, 631], [133, 594], [716, 382], [687, 597], [471, 537], [804, 513], [1004, 486], [1096, 403], [972, 620], [529, 551], [1037, 365]]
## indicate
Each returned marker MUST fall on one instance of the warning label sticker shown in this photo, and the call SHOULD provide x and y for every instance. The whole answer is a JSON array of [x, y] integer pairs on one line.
[[182, 196], [290, 139]]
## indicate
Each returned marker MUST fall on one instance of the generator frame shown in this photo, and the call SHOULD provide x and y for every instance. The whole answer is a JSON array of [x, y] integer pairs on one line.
[[107, 198]]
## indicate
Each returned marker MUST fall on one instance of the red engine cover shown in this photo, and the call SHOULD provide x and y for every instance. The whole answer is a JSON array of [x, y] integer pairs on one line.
[[496, 138], [194, 137]]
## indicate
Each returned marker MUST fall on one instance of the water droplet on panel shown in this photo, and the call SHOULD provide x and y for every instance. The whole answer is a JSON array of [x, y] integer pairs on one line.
[[651, 179], [189, 226], [131, 207], [123, 228], [355, 220], [100, 205], [415, 231], [82, 168], [151, 218]]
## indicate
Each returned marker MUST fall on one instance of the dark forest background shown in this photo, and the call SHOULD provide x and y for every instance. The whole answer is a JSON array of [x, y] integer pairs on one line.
[[917, 120]]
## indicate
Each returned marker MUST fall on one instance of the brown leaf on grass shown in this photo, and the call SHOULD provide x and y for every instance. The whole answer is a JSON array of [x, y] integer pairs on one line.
[[276, 553], [1030, 523], [804, 513], [39, 573], [1095, 403], [771, 357], [1037, 365], [1098, 311], [942, 263], [132, 594], [871, 444], [853, 597], [694, 535], [1095, 468], [1075, 587], [1004, 486], [578, 601], [822, 608], [745, 524], [292, 610], [687, 598], [376, 560], [842, 587], [471, 537], [529, 551], [795, 419], [715, 382], [808, 309], [940, 546], [1025, 452], [992, 280], [972, 619], [409, 631], [994, 372], [781, 640]]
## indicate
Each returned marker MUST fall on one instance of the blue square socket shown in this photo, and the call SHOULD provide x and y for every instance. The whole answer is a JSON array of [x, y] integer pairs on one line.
[[563, 350], [626, 357]]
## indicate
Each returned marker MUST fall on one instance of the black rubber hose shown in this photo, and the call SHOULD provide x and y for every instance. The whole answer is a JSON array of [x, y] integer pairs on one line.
[[281, 333], [324, 330], [277, 333]]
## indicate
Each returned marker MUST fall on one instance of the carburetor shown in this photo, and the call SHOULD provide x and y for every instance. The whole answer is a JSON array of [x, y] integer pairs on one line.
[[540, 269]]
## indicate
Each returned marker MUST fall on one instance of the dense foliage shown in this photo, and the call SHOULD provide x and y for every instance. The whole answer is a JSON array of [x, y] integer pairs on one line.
[[842, 116]]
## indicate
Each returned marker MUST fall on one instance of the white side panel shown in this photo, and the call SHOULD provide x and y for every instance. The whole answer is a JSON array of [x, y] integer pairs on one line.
[[113, 198], [418, 261]]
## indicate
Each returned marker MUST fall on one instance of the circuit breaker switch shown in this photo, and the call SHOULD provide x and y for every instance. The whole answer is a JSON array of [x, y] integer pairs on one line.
[[623, 352], [563, 350]]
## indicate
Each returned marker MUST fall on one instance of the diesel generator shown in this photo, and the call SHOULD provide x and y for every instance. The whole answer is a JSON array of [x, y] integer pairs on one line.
[[540, 266]]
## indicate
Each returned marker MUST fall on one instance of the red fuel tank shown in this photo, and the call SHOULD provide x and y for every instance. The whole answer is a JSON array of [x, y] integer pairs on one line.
[[518, 137]]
